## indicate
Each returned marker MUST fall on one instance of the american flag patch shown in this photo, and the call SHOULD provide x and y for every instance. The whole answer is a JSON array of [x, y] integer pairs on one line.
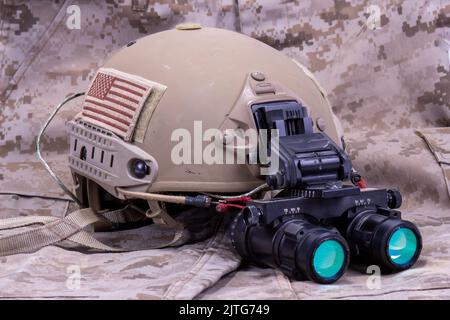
[[114, 101]]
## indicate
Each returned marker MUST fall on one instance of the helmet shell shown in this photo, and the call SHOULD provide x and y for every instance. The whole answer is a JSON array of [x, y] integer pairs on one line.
[[207, 75]]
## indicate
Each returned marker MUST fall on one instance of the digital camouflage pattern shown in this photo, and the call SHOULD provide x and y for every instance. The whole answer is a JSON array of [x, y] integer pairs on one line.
[[385, 66]]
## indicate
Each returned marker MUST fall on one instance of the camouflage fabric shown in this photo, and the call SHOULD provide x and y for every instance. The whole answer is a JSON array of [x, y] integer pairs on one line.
[[385, 66]]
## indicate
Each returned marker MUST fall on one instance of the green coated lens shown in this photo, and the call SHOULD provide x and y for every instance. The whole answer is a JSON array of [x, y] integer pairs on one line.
[[328, 259], [402, 246]]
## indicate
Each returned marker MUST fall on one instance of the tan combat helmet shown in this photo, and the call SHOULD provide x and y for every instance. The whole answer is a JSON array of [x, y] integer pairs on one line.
[[167, 81]]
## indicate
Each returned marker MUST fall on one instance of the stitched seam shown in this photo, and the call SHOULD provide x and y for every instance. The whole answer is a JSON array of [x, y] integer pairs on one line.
[[198, 264]]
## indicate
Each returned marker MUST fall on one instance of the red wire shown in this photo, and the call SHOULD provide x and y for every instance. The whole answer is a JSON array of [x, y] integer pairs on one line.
[[362, 184], [224, 205]]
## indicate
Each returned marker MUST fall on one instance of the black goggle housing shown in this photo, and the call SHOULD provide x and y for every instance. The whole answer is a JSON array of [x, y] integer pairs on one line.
[[318, 225]]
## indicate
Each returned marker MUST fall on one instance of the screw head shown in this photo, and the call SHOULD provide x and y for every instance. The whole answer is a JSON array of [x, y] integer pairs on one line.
[[258, 76]]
